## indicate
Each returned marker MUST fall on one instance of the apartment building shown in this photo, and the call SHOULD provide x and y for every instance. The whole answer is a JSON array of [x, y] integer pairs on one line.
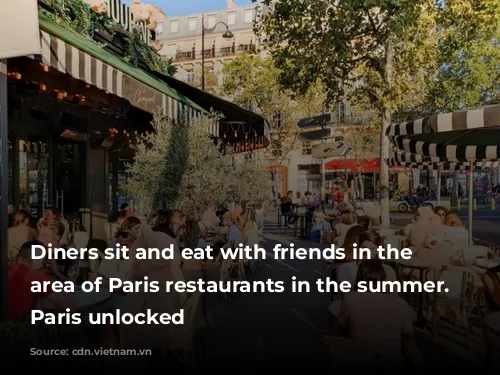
[[182, 39]]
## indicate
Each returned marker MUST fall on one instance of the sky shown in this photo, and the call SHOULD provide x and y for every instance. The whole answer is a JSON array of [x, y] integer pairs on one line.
[[182, 7]]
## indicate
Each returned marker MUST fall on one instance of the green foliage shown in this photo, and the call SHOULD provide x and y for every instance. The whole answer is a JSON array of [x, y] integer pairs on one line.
[[80, 18], [73, 14], [395, 57], [468, 58], [181, 166], [253, 82]]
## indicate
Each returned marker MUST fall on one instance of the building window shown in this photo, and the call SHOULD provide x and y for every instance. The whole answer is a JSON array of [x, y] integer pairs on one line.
[[174, 26], [192, 24], [226, 51], [187, 55], [211, 22], [248, 15], [231, 18], [159, 28], [189, 76]]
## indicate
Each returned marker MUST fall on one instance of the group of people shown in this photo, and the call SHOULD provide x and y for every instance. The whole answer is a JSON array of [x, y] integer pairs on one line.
[[239, 225]]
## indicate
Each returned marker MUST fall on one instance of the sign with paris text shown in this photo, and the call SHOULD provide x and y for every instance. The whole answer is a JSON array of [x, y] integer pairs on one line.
[[19, 29]]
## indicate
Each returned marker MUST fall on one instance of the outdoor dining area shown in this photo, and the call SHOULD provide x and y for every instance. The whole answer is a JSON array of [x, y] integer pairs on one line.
[[443, 249]]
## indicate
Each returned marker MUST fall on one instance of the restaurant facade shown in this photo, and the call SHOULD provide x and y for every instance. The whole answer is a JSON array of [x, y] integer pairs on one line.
[[74, 111]]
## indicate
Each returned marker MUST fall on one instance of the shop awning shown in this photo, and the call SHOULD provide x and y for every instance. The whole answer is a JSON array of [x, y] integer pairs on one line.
[[231, 112], [445, 166], [72, 54], [365, 165], [473, 134]]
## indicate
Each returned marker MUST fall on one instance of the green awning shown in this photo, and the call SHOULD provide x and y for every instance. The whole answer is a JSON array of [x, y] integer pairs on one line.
[[84, 59]]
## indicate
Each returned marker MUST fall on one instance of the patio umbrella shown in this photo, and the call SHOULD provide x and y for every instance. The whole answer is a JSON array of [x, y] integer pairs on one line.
[[471, 136]]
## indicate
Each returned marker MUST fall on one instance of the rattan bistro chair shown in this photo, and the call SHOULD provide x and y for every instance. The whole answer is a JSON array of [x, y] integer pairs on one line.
[[461, 284]]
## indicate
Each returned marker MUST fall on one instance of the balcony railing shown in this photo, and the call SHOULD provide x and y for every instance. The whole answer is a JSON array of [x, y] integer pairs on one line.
[[212, 53]]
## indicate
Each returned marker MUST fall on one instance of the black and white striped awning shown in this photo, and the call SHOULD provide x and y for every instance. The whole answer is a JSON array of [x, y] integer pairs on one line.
[[401, 135], [455, 121], [68, 59], [444, 166], [445, 152]]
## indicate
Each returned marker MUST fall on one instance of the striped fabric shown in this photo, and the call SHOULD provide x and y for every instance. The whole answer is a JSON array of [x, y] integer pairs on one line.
[[70, 60], [462, 120], [444, 166], [446, 152]]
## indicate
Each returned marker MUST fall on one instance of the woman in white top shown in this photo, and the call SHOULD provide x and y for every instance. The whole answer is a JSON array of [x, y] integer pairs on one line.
[[455, 231], [19, 234]]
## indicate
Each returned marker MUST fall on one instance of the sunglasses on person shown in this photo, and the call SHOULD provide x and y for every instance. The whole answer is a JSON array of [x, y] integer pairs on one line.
[[123, 235]]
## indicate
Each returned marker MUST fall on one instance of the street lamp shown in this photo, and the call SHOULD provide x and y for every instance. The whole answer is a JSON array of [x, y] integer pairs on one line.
[[226, 35]]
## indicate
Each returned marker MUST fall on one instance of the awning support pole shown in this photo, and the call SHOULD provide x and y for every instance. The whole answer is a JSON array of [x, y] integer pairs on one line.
[[4, 193], [439, 186], [471, 198]]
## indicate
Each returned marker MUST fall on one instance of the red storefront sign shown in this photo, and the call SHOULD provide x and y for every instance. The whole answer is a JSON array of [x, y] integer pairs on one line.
[[365, 166]]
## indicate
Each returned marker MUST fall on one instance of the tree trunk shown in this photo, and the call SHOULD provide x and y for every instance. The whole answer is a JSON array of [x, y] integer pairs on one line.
[[361, 187], [384, 140]]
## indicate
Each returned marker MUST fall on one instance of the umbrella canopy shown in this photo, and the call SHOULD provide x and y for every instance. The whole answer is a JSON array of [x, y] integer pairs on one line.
[[472, 134]]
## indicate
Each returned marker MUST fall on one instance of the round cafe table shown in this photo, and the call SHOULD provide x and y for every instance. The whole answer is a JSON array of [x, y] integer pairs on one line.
[[83, 300]]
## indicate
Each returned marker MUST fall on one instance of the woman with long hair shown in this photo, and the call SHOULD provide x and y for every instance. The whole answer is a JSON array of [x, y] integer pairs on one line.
[[352, 237]]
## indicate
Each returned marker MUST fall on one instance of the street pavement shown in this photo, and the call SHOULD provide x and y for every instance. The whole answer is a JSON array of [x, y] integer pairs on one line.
[[285, 329]]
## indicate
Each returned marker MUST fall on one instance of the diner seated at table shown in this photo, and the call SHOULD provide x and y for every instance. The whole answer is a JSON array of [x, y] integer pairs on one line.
[[346, 222], [287, 210], [368, 240], [167, 221], [318, 214], [51, 233], [27, 270], [352, 237], [455, 232], [379, 319]]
